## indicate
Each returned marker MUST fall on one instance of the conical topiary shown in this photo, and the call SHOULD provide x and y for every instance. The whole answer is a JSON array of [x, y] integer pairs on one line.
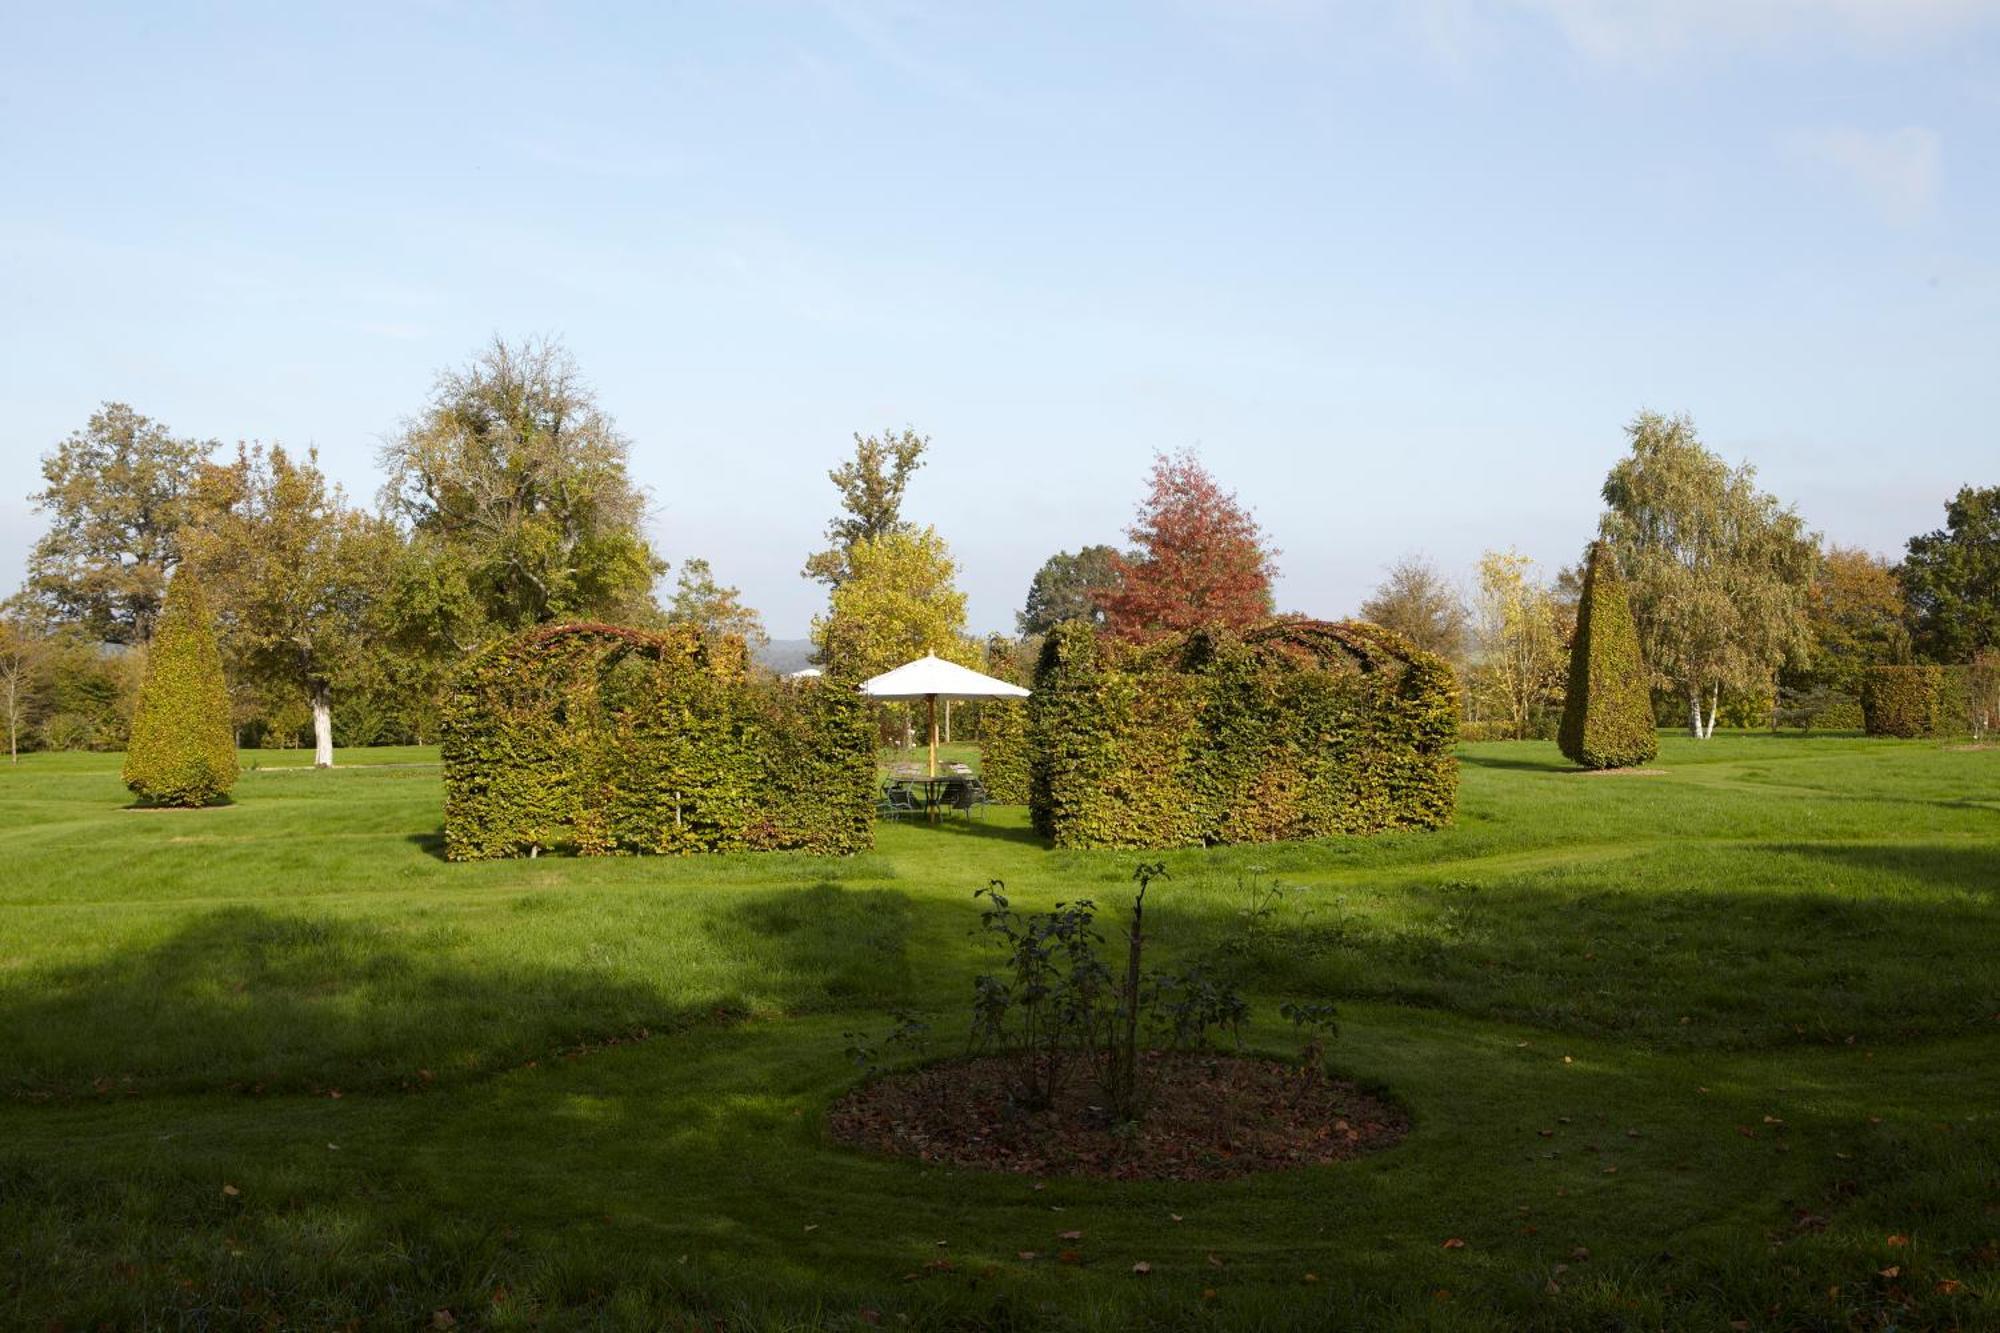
[[1607, 719], [182, 751]]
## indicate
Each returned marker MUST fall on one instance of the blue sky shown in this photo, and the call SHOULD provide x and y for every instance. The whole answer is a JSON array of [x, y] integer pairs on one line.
[[1400, 271]]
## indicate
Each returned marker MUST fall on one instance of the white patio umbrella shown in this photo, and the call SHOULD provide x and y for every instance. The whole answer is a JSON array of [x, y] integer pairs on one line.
[[931, 677]]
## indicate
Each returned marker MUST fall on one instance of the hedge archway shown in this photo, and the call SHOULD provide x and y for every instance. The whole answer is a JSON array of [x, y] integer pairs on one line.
[[601, 739], [1291, 729]]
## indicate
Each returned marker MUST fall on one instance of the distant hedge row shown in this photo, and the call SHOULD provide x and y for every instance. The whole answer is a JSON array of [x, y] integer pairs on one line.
[[1292, 729], [1929, 700], [606, 740]]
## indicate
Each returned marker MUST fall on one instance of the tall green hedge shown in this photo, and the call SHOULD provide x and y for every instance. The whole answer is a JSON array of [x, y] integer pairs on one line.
[[181, 750], [1004, 753], [607, 740], [1292, 729], [1607, 719], [1918, 700]]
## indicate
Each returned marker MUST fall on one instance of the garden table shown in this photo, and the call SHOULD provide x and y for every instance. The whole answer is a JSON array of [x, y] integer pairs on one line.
[[934, 789]]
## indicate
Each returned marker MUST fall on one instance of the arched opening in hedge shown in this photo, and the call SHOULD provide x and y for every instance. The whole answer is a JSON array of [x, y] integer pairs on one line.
[[603, 740], [1291, 729]]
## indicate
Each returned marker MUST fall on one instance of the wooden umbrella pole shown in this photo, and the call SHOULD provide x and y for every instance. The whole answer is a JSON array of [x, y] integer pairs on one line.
[[933, 699]]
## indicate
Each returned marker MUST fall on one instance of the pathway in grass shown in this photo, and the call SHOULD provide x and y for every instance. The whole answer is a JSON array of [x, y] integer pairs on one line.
[[1717, 1045]]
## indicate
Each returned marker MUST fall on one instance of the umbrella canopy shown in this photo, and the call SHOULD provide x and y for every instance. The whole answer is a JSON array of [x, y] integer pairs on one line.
[[930, 677]]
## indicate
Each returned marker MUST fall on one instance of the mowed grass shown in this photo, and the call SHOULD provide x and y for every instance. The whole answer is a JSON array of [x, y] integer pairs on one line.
[[1716, 1044]]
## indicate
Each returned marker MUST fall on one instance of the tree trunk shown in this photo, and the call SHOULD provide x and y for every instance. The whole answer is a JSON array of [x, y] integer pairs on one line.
[[1714, 706], [322, 704], [1694, 712]]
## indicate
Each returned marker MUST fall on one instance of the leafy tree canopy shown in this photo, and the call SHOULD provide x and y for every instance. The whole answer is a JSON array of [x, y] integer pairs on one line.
[[515, 483], [1951, 579], [116, 493], [1716, 570], [1201, 559], [1069, 587], [1854, 608], [871, 486], [1421, 604], [295, 574], [1520, 670], [712, 608], [897, 602]]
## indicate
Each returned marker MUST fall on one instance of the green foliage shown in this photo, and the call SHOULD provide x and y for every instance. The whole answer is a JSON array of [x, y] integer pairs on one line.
[[182, 751], [1717, 571], [610, 740], [1069, 587], [296, 573], [116, 493], [1922, 700], [1060, 1009], [711, 608], [1951, 578], [1856, 612], [1608, 711], [1420, 603], [515, 483], [1293, 729], [1004, 751], [896, 602], [871, 486], [1519, 671]]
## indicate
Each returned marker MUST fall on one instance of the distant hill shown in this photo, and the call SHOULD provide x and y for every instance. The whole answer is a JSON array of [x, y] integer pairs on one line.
[[785, 655]]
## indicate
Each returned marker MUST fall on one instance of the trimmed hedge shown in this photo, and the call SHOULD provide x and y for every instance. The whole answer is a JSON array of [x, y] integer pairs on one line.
[[1607, 719], [182, 751], [1004, 752], [607, 740], [1913, 701], [1292, 729]]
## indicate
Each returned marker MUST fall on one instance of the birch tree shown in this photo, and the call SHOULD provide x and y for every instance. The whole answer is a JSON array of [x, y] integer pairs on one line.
[[1717, 570], [294, 572]]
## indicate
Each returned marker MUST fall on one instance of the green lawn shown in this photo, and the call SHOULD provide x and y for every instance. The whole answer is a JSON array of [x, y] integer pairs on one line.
[[1679, 1050]]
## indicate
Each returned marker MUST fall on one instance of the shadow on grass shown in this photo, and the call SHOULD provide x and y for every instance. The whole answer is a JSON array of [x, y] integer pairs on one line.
[[843, 946], [430, 844], [245, 999], [1968, 869], [959, 826], [1554, 763]]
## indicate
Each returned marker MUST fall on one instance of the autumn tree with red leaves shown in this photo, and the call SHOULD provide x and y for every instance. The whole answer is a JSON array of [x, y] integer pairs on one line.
[[1199, 558]]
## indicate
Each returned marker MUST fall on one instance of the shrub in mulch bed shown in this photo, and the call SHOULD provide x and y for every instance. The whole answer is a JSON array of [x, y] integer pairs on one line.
[[1210, 1116]]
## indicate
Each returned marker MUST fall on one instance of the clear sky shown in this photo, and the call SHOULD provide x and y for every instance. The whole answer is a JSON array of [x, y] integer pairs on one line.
[[1400, 271]]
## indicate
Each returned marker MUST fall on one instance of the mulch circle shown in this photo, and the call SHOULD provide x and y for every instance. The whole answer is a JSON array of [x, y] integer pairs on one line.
[[1211, 1117]]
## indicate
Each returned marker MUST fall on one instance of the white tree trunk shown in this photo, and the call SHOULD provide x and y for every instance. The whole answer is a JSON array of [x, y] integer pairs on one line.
[[1694, 712], [322, 703], [1714, 706]]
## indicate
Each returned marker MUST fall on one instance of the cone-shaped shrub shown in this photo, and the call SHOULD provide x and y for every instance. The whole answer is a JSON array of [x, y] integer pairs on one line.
[[182, 751], [1607, 719]]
